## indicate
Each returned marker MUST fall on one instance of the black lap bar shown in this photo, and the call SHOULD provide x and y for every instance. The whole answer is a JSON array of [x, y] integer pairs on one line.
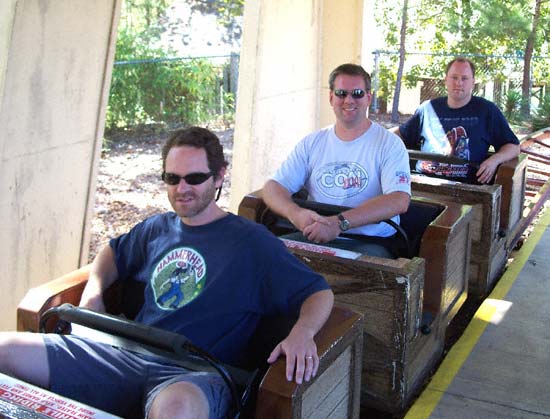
[[118, 326], [156, 339], [330, 209]]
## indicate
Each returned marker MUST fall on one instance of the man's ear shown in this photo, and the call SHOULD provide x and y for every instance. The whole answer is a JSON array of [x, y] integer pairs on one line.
[[369, 96], [219, 177]]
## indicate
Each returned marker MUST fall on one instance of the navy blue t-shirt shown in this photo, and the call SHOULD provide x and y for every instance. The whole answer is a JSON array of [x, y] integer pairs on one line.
[[467, 132], [212, 283]]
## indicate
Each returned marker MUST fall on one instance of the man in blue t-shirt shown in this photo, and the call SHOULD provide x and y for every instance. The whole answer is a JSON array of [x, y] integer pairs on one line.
[[460, 125], [208, 274]]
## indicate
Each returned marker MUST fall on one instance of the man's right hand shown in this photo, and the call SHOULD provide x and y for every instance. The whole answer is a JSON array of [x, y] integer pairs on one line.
[[301, 218], [94, 303], [323, 231], [103, 272]]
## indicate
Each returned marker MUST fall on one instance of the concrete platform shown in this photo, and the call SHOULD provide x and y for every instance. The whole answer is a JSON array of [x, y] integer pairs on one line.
[[500, 367]]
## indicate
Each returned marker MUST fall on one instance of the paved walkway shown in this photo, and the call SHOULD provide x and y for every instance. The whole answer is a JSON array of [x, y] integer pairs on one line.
[[500, 367]]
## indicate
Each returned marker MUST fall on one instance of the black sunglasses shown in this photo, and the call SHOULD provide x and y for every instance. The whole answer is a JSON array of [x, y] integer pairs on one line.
[[191, 178], [355, 93]]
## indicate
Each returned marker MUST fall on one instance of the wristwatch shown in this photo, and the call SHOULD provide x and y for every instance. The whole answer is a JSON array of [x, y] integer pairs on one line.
[[344, 223]]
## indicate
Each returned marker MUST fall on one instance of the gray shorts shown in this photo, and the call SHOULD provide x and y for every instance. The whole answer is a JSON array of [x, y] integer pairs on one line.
[[122, 382]]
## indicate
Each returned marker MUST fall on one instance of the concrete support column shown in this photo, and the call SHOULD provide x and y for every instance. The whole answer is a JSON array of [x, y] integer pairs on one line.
[[55, 72], [289, 48]]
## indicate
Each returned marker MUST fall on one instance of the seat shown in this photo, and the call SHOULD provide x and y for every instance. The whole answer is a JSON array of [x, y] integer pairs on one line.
[[397, 296], [497, 213], [334, 392]]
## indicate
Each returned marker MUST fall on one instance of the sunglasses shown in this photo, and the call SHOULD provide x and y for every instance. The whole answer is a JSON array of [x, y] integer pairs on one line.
[[191, 178], [355, 93]]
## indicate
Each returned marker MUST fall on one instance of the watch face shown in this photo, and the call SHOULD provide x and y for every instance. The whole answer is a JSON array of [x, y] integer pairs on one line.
[[344, 224]]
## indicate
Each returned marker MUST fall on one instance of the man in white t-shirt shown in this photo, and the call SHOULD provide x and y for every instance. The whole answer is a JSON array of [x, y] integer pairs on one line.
[[355, 163]]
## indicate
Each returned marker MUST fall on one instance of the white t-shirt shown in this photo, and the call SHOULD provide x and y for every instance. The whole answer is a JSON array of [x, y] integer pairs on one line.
[[348, 172]]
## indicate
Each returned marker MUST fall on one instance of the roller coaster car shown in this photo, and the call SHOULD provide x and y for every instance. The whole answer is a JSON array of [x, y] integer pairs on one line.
[[333, 393], [407, 302], [497, 215]]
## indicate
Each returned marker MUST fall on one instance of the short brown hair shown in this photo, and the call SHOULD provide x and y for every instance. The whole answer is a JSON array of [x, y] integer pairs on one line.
[[199, 138], [461, 60], [349, 69]]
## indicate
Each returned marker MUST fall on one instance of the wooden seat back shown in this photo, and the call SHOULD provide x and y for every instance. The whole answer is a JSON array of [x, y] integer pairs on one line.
[[496, 217], [393, 294]]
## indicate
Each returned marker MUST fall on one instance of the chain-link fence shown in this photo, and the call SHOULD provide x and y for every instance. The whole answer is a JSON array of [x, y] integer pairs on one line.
[[498, 78], [172, 91]]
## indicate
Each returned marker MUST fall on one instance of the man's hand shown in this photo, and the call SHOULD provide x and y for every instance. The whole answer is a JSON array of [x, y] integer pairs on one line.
[[322, 231], [94, 303], [103, 272], [302, 218], [302, 361], [487, 170]]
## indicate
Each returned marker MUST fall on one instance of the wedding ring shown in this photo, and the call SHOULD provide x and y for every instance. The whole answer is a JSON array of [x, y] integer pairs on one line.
[[309, 357]]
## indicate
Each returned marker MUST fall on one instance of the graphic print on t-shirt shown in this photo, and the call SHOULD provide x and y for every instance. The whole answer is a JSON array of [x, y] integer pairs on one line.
[[178, 278], [341, 180], [453, 142], [457, 145]]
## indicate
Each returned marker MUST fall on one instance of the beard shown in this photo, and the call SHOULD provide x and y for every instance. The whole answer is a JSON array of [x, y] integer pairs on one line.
[[198, 201]]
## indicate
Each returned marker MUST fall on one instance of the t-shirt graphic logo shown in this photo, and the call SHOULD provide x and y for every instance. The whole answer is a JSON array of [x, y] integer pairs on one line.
[[178, 278], [458, 139], [402, 178], [341, 180], [457, 144]]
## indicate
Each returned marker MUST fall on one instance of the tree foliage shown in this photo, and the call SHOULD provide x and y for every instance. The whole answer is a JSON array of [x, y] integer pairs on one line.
[[147, 86], [541, 118], [402, 38], [485, 30], [226, 11]]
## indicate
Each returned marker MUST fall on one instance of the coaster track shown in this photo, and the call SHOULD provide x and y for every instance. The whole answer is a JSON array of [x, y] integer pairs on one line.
[[537, 184]]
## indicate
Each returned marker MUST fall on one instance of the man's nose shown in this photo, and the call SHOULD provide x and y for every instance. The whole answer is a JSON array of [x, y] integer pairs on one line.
[[349, 98], [183, 185]]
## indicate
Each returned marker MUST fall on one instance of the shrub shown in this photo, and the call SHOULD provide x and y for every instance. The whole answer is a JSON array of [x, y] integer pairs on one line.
[[148, 87], [185, 91], [512, 103], [541, 117]]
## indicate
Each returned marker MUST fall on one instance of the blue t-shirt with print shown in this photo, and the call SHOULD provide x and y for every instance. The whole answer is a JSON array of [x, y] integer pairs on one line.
[[212, 283], [469, 131]]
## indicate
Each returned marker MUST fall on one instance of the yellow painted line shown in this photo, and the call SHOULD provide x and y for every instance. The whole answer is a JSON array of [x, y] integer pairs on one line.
[[428, 400]]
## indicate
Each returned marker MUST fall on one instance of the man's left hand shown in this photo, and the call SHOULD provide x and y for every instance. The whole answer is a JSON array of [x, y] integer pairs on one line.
[[302, 361], [486, 171]]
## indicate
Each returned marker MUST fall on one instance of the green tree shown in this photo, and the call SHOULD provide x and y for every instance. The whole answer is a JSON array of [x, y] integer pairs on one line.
[[227, 12], [472, 27], [402, 38], [148, 86], [143, 18], [541, 119], [528, 56]]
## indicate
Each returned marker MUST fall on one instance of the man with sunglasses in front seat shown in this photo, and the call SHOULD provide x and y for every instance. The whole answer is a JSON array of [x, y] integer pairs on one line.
[[354, 163], [208, 275]]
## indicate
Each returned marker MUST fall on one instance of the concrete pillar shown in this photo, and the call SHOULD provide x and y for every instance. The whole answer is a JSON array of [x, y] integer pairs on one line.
[[55, 71], [289, 49]]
